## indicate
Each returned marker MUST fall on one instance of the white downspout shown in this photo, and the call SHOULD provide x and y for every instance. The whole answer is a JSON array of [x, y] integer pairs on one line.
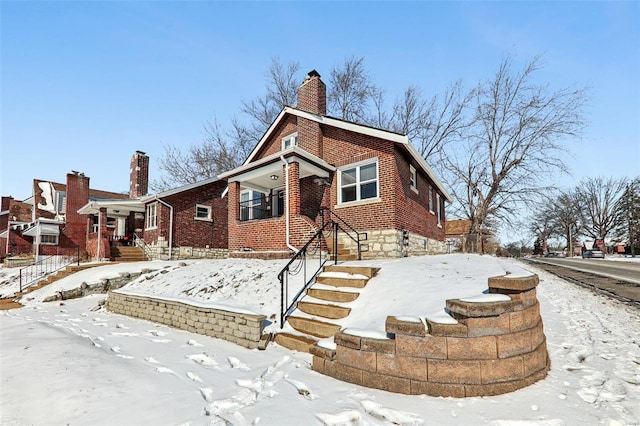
[[170, 224], [286, 204]]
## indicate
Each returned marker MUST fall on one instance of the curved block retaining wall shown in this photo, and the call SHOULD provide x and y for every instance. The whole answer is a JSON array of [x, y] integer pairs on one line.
[[495, 347], [240, 328]]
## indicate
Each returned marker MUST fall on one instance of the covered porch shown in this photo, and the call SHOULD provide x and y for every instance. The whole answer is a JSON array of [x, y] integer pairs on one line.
[[274, 202], [111, 223]]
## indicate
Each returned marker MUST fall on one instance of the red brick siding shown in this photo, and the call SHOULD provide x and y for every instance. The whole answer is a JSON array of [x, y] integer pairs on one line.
[[342, 148], [274, 143], [187, 231], [413, 209]]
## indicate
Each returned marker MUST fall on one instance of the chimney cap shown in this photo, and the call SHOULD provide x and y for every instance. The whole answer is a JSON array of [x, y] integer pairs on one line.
[[313, 73], [140, 152]]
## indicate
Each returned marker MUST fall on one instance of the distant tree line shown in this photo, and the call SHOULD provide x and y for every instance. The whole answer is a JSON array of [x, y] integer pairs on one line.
[[598, 208]]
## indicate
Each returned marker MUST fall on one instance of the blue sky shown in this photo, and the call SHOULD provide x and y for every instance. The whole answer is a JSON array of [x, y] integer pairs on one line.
[[84, 84]]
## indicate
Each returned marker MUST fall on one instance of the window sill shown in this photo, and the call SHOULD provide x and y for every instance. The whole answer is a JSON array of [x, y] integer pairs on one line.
[[358, 203], [203, 219], [414, 189], [153, 228], [440, 225], [432, 212]]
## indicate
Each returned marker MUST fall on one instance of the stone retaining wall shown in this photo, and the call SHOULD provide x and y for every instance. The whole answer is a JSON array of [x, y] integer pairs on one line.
[[239, 328], [103, 286], [493, 347]]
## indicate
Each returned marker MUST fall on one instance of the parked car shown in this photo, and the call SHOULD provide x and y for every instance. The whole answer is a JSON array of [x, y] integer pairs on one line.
[[593, 254], [551, 254]]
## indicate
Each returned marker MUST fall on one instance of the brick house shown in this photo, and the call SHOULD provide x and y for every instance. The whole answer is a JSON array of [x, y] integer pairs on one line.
[[185, 222], [48, 222], [373, 179]]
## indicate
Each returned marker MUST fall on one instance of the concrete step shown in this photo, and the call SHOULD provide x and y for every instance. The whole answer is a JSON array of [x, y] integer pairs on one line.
[[295, 342], [332, 295], [342, 281], [324, 311], [313, 327], [368, 271]]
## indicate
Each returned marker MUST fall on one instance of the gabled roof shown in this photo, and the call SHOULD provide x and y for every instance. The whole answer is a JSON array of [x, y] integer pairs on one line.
[[401, 140]]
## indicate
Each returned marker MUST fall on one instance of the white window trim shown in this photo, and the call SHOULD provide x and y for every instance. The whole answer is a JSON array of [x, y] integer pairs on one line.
[[358, 200], [439, 209], [430, 199], [289, 137], [147, 217], [208, 218], [414, 184]]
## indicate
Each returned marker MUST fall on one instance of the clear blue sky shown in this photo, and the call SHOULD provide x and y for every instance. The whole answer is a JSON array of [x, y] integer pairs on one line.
[[86, 83]]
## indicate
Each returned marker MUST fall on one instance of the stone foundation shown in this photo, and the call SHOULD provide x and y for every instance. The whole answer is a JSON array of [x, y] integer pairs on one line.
[[159, 250], [243, 329], [495, 345], [389, 243]]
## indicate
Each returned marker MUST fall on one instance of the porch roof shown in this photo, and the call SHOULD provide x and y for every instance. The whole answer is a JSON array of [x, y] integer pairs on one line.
[[114, 207], [42, 229], [262, 174]]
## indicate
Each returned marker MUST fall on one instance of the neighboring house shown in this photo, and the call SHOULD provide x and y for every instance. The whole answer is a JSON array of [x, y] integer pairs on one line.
[[15, 216], [373, 179], [185, 222], [47, 223]]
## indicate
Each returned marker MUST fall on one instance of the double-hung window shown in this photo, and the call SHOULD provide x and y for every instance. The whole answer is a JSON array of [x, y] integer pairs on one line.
[[203, 212], [251, 205], [151, 220], [289, 141], [413, 178], [359, 182], [48, 239], [430, 198]]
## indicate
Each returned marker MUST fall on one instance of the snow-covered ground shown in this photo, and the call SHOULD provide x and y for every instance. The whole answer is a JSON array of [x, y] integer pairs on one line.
[[63, 362]]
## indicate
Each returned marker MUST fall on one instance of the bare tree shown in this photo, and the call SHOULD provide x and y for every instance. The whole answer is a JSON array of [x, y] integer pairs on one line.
[[567, 219], [206, 160], [350, 90], [281, 90], [431, 124], [629, 206], [513, 144], [600, 197]]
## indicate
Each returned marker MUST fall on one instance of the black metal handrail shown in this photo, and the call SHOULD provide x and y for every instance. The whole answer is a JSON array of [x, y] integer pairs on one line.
[[356, 239], [298, 263], [31, 274]]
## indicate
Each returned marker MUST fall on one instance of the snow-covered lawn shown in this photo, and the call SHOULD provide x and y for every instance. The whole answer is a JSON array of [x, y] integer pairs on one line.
[[64, 363]]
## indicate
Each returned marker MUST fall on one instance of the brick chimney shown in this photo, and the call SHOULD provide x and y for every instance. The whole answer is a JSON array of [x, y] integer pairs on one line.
[[312, 97], [77, 196], [139, 175], [312, 94]]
